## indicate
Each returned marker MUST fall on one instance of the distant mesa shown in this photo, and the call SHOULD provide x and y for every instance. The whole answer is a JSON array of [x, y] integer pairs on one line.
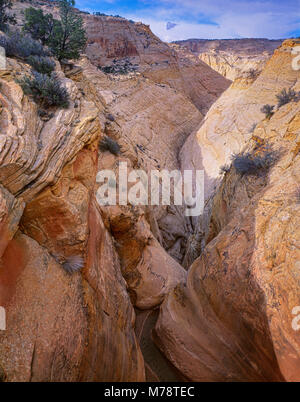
[[171, 25]]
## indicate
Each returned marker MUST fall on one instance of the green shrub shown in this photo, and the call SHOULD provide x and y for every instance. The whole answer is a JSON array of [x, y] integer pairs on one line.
[[268, 110], [46, 91], [41, 64], [250, 164], [286, 96], [108, 144], [65, 37], [68, 38], [39, 25]]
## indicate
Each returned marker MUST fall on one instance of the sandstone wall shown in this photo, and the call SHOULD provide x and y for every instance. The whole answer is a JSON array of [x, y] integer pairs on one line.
[[231, 57], [232, 319]]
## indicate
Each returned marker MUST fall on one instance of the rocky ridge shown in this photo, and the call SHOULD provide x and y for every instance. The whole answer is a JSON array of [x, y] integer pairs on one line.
[[232, 58]]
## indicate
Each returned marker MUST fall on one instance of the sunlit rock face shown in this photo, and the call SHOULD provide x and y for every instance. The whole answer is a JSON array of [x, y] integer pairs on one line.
[[230, 122], [232, 319], [64, 326], [231, 57], [59, 325], [92, 292], [125, 46]]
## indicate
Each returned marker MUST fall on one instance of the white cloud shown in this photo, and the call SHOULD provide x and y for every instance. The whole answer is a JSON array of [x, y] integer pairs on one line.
[[219, 19], [229, 23]]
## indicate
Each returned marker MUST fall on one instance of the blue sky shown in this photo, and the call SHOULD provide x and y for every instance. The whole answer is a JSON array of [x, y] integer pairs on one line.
[[209, 19]]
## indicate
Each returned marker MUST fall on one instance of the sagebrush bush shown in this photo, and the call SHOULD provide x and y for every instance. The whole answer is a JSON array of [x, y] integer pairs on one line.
[[108, 144], [21, 45], [46, 91], [252, 73], [268, 110], [41, 64], [250, 164], [110, 117], [73, 264], [286, 96]]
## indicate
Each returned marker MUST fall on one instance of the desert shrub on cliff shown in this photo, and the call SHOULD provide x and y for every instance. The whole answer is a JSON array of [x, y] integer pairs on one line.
[[252, 73], [99, 14], [287, 96], [268, 110], [21, 45], [108, 144], [73, 264], [6, 18], [110, 117], [254, 164], [117, 69], [46, 91], [43, 65]]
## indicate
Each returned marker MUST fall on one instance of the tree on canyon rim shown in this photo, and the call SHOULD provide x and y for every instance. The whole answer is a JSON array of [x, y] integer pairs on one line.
[[68, 37], [39, 25], [65, 37]]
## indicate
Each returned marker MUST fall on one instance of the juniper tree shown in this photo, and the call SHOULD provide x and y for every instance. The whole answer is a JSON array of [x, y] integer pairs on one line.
[[68, 37], [39, 25]]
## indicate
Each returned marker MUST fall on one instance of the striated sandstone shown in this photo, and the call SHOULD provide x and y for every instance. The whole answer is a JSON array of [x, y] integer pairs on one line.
[[230, 57], [232, 320], [57, 164], [228, 125], [11, 210], [114, 41], [150, 135], [229, 317]]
